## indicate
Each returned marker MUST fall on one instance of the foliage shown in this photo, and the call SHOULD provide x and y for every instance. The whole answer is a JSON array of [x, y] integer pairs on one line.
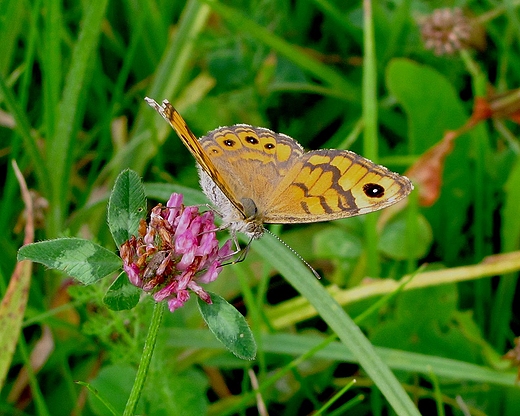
[[72, 82]]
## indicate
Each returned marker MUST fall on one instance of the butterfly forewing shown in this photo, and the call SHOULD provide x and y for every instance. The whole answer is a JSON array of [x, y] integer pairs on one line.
[[172, 116], [262, 157]]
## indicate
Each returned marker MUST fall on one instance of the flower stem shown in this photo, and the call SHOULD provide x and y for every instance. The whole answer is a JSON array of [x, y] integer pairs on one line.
[[146, 358]]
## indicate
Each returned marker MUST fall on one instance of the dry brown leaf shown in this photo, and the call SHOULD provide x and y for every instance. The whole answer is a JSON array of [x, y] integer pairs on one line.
[[427, 171], [14, 302], [499, 106]]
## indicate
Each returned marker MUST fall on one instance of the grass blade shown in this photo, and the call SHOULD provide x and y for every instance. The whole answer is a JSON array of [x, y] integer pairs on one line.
[[62, 143], [322, 72], [349, 333]]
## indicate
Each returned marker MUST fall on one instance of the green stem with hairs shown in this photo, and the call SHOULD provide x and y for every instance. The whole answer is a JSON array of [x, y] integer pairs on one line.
[[146, 358]]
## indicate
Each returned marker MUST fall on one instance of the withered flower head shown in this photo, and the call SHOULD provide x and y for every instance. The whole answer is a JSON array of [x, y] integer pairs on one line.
[[446, 31], [175, 252]]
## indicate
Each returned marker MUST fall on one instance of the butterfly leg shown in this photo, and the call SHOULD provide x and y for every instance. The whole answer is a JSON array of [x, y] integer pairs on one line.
[[241, 252]]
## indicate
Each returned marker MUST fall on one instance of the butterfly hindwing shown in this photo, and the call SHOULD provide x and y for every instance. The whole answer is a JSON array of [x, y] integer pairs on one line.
[[331, 184]]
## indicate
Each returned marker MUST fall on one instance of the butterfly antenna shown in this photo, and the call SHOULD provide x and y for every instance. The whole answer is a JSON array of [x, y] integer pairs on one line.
[[296, 254]]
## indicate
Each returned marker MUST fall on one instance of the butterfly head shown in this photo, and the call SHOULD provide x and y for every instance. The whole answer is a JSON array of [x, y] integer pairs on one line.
[[253, 228], [246, 220]]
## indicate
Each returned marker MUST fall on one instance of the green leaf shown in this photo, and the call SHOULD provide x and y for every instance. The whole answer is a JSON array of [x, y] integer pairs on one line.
[[168, 81], [185, 395], [432, 107], [425, 321], [122, 295], [431, 103], [114, 384], [126, 207], [505, 294], [82, 259], [394, 244], [509, 212], [62, 145], [229, 326], [334, 242], [329, 76]]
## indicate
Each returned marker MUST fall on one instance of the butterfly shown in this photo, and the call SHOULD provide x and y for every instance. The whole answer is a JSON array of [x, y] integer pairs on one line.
[[254, 176]]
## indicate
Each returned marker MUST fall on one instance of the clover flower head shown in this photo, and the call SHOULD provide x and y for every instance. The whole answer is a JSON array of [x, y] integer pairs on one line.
[[174, 253], [446, 31]]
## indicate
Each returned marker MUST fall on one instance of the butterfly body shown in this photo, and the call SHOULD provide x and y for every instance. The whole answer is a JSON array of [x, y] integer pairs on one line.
[[255, 176]]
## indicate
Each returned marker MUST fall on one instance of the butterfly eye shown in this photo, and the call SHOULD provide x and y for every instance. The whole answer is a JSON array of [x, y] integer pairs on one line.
[[252, 140], [250, 208], [373, 190]]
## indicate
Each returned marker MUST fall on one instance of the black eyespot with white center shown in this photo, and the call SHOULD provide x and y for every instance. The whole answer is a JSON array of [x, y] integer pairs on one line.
[[229, 142], [269, 146], [373, 190], [251, 140]]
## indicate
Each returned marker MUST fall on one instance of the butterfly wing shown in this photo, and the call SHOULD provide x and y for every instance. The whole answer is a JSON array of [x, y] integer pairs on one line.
[[251, 160], [278, 181], [172, 116], [325, 185]]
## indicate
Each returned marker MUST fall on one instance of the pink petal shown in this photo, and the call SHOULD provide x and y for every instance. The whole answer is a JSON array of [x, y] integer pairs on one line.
[[184, 280], [174, 304], [207, 245], [174, 204], [167, 291], [133, 274], [185, 242], [185, 220], [211, 274], [225, 251], [201, 293]]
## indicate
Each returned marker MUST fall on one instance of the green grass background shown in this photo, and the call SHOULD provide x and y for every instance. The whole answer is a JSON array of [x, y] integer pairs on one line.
[[72, 81]]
